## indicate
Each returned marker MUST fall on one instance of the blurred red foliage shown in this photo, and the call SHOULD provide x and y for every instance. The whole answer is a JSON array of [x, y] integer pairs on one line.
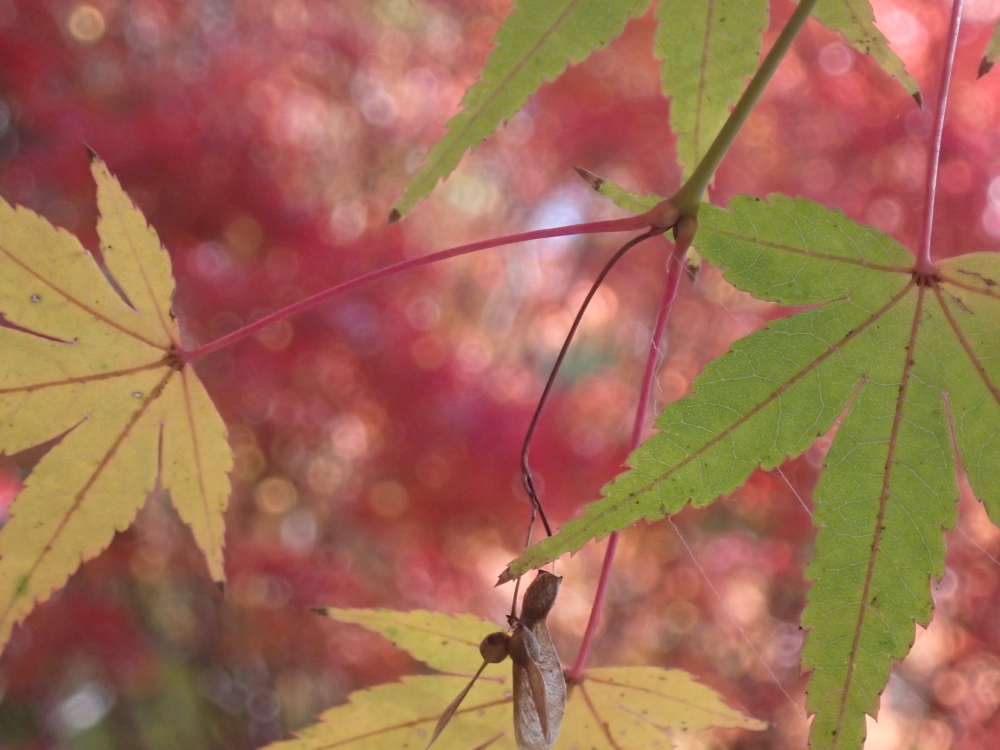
[[377, 437]]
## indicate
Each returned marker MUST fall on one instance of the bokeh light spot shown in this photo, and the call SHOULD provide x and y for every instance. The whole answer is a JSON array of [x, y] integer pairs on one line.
[[424, 313], [84, 708], [951, 687], [275, 495], [325, 475], [836, 58], [885, 213], [86, 24], [299, 531], [244, 236], [277, 336]]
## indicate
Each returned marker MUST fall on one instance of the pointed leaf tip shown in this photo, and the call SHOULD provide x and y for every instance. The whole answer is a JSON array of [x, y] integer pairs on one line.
[[590, 178], [856, 21], [985, 66], [91, 154], [394, 216], [503, 578], [535, 44], [319, 610], [919, 99]]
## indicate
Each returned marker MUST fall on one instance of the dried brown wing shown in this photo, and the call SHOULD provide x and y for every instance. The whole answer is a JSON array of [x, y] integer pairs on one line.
[[544, 676], [525, 652], [552, 674]]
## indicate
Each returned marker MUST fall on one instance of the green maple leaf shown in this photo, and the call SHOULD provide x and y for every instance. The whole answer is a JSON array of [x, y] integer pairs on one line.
[[536, 42], [621, 708], [856, 21], [709, 49], [94, 366], [899, 356]]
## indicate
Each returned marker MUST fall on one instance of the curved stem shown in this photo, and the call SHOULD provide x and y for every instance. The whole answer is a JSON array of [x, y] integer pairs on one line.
[[688, 198], [628, 224], [675, 269], [529, 484], [924, 262]]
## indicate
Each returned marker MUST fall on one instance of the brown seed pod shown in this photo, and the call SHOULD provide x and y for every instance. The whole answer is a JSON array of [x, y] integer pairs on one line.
[[523, 646], [494, 647], [539, 598], [539, 685]]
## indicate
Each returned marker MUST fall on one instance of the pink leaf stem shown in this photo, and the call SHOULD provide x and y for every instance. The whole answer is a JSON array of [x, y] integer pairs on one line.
[[628, 224], [924, 263], [675, 269]]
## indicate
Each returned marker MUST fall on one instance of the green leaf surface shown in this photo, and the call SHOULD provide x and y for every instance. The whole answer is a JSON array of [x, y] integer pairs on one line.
[[856, 21], [892, 352], [535, 43], [709, 48], [636, 203], [626, 708]]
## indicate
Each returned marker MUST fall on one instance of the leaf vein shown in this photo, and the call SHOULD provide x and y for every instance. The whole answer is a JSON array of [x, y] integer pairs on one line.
[[884, 495], [777, 393], [81, 494], [967, 347], [605, 727], [79, 303], [85, 379], [809, 253]]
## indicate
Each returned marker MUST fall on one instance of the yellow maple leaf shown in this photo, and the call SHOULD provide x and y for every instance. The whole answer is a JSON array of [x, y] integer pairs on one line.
[[618, 708], [97, 364]]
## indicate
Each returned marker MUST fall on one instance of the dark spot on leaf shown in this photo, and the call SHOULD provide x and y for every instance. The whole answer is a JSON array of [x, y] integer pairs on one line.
[[35, 298], [958, 301], [22, 585]]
